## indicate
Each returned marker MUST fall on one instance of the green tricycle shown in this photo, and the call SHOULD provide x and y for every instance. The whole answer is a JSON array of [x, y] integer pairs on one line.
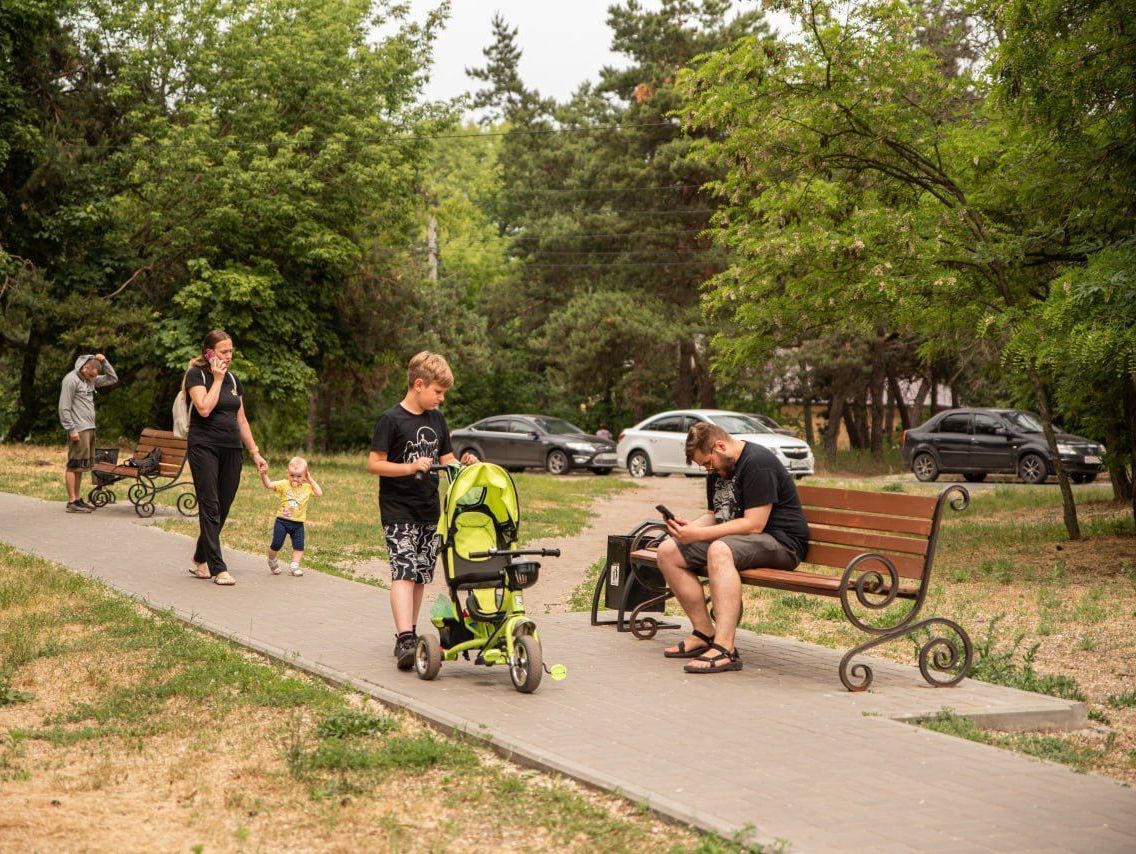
[[485, 612]]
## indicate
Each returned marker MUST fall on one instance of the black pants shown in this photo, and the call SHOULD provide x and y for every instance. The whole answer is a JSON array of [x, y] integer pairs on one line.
[[216, 476]]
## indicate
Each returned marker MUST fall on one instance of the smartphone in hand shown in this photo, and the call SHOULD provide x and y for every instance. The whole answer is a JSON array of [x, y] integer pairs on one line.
[[210, 355], [667, 514]]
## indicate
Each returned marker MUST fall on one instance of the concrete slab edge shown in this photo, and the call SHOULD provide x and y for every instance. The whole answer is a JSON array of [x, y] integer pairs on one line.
[[1052, 717], [511, 749]]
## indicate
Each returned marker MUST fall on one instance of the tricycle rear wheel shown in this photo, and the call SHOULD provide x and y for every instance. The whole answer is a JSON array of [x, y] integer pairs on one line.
[[427, 657]]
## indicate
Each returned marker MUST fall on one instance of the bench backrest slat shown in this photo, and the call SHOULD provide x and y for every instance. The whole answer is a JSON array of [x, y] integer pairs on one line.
[[886, 503], [173, 448], [867, 540], [868, 521], [822, 554]]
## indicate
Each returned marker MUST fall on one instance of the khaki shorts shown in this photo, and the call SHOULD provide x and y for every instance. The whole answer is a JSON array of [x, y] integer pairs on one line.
[[81, 454], [750, 551]]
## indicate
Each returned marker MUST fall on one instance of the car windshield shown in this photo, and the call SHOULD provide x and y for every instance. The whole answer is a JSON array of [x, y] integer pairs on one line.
[[557, 426], [1023, 421], [735, 424]]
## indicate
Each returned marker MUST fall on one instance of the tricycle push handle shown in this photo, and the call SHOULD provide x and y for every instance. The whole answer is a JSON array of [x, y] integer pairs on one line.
[[517, 553]]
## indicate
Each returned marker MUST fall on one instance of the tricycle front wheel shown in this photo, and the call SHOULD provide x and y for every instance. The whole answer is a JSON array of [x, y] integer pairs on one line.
[[527, 665]]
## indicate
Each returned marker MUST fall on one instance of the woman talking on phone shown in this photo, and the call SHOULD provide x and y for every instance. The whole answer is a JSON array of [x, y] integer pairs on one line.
[[217, 431]]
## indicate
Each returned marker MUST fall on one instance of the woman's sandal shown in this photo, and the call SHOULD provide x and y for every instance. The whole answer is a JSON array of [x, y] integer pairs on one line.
[[195, 571], [224, 579], [683, 652], [721, 661]]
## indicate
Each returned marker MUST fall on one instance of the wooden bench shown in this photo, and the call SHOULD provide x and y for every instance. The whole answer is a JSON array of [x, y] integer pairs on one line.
[[146, 486], [884, 543]]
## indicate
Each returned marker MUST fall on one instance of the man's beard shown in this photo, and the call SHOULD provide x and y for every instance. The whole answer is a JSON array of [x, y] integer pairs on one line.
[[729, 465]]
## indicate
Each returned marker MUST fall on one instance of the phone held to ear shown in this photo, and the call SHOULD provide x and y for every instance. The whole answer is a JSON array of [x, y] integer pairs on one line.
[[667, 514], [210, 355]]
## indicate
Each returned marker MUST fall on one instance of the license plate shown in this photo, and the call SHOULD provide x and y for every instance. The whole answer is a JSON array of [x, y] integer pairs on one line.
[[1094, 460], [605, 460], [798, 464]]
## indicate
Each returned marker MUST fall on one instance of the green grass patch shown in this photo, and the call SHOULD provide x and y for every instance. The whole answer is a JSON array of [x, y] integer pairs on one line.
[[1049, 747], [1007, 665], [1123, 700], [581, 597]]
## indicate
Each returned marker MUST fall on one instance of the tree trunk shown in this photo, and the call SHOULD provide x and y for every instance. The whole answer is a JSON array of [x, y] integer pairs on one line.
[[1117, 469], [684, 385], [810, 436], [876, 431], [832, 429], [28, 406], [917, 405], [852, 428], [1069, 505], [897, 396], [934, 381], [1130, 418]]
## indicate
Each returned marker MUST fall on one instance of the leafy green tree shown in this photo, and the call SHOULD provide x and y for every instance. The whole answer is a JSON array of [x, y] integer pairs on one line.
[[859, 96]]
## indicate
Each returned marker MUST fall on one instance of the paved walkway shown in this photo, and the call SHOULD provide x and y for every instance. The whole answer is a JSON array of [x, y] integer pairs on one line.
[[804, 761]]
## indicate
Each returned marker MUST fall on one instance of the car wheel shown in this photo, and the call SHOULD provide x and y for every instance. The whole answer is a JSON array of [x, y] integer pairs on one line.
[[602, 471], [556, 462], [925, 468], [639, 464], [1032, 469], [1083, 478], [974, 477]]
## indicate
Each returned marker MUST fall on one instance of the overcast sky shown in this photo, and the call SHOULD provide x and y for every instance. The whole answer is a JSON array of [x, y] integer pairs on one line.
[[564, 42]]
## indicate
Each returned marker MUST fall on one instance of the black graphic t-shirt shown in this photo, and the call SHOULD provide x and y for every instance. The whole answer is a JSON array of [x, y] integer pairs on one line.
[[220, 429], [405, 437], [760, 479]]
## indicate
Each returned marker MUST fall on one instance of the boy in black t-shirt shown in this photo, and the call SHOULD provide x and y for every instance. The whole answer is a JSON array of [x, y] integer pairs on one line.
[[410, 437], [754, 521]]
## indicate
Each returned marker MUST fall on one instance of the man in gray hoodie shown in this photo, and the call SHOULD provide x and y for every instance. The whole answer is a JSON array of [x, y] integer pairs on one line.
[[77, 415]]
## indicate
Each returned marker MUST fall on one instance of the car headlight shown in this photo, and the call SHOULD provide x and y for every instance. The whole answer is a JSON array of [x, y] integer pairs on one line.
[[1065, 449], [581, 446]]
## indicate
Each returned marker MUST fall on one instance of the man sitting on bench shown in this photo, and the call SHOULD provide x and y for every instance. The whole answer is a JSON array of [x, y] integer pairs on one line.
[[755, 521]]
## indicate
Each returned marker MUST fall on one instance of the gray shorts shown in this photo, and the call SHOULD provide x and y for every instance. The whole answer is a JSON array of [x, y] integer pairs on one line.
[[751, 551]]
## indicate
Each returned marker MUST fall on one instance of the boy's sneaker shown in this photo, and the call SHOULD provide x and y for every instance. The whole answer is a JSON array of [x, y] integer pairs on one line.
[[295, 570], [90, 508], [274, 565], [404, 652], [77, 507]]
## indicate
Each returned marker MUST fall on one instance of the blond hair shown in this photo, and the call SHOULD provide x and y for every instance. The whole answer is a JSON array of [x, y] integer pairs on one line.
[[298, 461], [430, 368], [702, 437]]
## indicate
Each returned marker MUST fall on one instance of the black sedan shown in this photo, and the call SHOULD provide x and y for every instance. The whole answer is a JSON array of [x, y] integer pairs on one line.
[[516, 442], [978, 442]]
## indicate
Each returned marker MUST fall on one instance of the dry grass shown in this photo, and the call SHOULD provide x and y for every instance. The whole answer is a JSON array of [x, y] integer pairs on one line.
[[121, 730]]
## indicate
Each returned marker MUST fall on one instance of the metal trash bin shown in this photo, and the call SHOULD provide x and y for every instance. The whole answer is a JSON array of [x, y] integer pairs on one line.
[[623, 589]]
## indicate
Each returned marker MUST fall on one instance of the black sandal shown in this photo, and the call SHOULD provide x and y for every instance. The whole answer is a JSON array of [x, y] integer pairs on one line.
[[683, 652], [721, 661]]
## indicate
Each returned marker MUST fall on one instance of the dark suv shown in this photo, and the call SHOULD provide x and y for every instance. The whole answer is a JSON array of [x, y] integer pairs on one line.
[[978, 442]]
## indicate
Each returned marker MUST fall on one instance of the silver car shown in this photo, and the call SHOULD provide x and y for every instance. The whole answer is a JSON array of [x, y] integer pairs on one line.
[[657, 445]]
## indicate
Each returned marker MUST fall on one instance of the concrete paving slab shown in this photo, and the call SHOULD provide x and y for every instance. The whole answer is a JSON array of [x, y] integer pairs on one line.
[[807, 762]]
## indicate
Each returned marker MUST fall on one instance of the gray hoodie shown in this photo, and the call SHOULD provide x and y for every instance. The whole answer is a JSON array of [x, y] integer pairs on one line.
[[77, 396]]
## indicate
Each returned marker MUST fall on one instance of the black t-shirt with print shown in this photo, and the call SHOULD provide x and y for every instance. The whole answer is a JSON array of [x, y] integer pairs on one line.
[[760, 479], [220, 429], [405, 437]]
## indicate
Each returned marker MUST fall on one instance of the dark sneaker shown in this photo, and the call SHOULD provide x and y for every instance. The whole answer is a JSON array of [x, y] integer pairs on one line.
[[90, 508], [77, 507], [404, 653]]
